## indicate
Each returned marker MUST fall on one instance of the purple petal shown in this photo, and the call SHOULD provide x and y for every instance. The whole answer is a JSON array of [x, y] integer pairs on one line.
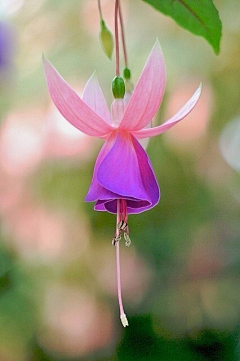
[[96, 191], [147, 174], [119, 170], [123, 171]]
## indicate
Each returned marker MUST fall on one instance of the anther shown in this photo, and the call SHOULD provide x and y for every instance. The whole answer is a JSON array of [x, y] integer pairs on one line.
[[122, 225], [127, 240], [116, 239]]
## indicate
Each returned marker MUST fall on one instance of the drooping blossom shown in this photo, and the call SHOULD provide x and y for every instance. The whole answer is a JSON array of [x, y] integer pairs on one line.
[[123, 179]]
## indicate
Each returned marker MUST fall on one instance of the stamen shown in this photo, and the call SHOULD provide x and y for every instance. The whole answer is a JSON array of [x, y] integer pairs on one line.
[[116, 239], [122, 225], [127, 239], [125, 214]]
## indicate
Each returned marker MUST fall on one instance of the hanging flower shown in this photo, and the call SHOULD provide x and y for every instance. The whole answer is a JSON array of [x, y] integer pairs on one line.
[[123, 179]]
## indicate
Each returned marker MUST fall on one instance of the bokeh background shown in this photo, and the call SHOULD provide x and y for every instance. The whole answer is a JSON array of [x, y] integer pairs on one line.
[[181, 275]]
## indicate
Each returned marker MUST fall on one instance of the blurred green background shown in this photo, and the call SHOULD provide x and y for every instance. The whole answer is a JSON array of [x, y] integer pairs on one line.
[[181, 275]]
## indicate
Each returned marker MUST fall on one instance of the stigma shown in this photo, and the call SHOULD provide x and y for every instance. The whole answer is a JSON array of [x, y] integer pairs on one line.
[[124, 320]]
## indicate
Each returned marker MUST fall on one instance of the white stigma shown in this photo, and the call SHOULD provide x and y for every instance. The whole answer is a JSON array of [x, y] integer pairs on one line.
[[124, 320]]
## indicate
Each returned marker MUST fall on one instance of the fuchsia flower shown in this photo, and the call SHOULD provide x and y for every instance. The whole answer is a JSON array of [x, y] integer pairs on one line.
[[123, 179]]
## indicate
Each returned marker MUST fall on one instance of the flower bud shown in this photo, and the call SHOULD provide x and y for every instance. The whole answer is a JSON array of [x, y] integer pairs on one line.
[[118, 87], [126, 73], [106, 40]]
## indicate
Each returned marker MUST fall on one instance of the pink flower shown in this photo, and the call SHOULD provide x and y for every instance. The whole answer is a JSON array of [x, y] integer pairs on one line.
[[123, 179], [123, 169]]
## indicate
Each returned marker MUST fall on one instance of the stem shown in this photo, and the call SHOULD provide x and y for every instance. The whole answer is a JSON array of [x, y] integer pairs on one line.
[[116, 36], [100, 10], [123, 37]]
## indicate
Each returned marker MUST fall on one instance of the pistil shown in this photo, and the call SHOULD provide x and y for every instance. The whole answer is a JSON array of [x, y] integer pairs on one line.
[[120, 215]]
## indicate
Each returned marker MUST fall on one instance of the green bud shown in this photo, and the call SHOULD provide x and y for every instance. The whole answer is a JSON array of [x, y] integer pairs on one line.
[[106, 40], [118, 87], [127, 73]]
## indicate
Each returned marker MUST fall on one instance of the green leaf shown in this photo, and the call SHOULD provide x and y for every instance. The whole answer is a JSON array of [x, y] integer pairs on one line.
[[200, 17]]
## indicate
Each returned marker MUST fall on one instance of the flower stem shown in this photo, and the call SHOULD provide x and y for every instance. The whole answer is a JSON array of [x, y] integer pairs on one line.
[[116, 36], [123, 36], [100, 10]]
